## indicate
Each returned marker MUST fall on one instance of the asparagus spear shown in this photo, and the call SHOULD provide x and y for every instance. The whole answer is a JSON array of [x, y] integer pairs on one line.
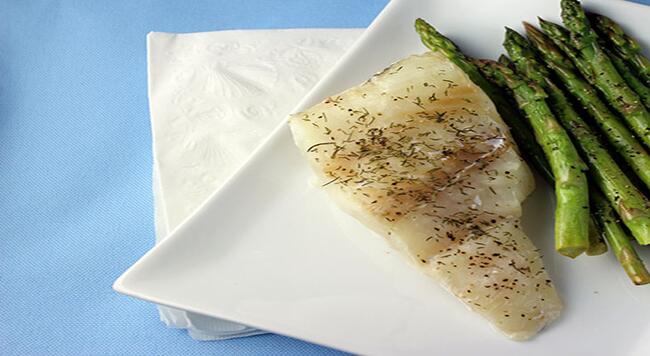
[[435, 41], [630, 77], [618, 135], [605, 76], [619, 241], [597, 245], [562, 39], [625, 46], [571, 190], [519, 48], [528, 64], [611, 180]]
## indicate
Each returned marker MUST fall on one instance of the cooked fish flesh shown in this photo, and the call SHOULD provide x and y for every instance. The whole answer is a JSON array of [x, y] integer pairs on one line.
[[419, 154]]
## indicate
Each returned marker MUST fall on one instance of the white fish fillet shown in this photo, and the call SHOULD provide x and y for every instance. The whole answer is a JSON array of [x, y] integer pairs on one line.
[[419, 154]]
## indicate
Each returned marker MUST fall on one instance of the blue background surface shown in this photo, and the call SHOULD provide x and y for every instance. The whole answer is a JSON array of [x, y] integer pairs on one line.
[[75, 167]]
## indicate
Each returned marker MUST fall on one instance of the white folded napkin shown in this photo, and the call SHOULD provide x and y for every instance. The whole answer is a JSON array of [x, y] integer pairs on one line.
[[213, 97]]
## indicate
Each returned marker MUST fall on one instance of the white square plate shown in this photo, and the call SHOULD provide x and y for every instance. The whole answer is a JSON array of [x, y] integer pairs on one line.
[[270, 251]]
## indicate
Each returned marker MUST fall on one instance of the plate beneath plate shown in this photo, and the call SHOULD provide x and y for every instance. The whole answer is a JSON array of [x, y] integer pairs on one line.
[[269, 251]]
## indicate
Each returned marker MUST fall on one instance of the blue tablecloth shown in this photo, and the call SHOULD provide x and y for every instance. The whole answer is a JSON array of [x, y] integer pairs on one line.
[[75, 167]]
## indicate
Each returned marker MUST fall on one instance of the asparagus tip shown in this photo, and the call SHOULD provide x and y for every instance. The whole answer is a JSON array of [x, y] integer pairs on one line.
[[530, 27], [544, 23], [419, 24]]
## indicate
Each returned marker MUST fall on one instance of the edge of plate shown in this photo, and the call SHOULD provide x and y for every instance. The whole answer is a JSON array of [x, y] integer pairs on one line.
[[123, 288]]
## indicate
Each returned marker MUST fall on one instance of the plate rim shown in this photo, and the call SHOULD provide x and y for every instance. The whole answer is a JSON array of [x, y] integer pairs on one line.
[[119, 284]]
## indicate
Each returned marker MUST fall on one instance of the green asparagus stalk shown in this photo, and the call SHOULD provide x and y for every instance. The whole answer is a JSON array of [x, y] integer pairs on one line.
[[626, 46], [562, 39], [630, 78], [631, 205], [618, 135], [619, 242], [605, 76], [597, 245], [518, 47], [571, 189], [529, 148]]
